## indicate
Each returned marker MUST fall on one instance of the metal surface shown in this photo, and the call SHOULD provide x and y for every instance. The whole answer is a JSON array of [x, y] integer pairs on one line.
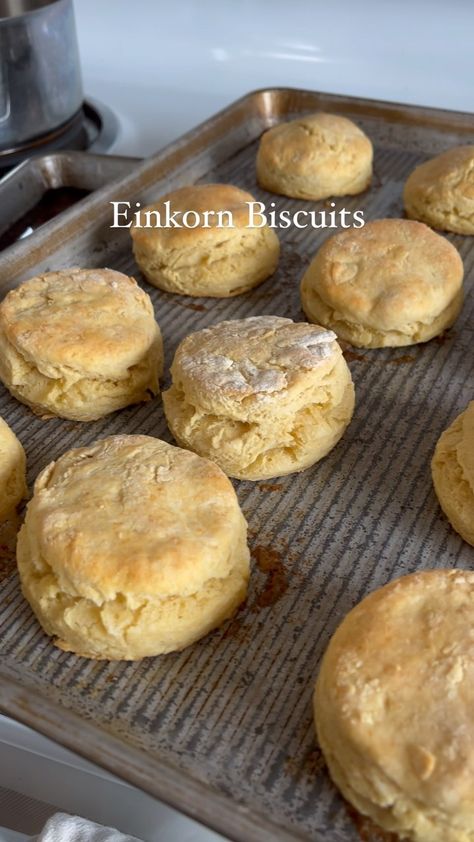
[[40, 75], [24, 186], [101, 124], [13, 8], [95, 127], [224, 729]]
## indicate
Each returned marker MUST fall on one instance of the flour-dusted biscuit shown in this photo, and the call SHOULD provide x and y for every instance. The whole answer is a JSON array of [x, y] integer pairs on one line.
[[79, 343], [213, 258], [440, 192], [12, 471], [393, 282], [261, 396], [132, 547], [394, 706], [315, 157], [452, 468]]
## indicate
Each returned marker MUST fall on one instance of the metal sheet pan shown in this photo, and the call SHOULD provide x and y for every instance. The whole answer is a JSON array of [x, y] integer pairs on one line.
[[224, 729], [24, 186]]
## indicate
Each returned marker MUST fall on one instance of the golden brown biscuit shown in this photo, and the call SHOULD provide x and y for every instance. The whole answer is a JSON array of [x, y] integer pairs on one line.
[[452, 468], [394, 706], [12, 471], [79, 343], [216, 261], [132, 547], [440, 192], [315, 157], [261, 396], [393, 282]]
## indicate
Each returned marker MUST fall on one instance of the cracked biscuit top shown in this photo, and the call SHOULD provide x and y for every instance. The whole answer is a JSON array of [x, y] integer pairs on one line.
[[134, 515], [260, 357], [262, 396], [79, 322]]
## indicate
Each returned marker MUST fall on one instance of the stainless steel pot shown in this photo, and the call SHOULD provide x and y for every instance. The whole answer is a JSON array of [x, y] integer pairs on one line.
[[40, 77]]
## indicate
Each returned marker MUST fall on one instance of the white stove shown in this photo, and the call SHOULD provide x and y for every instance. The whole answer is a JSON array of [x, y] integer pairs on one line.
[[39, 778], [163, 68]]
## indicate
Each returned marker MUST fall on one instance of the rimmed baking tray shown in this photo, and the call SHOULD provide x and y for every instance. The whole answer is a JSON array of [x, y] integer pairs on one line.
[[223, 730], [63, 177]]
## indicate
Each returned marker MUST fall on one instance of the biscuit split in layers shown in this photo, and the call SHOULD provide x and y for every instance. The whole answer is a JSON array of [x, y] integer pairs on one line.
[[216, 261], [440, 192], [12, 471], [79, 343], [393, 282], [452, 468], [394, 706], [261, 396], [132, 547], [315, 157]]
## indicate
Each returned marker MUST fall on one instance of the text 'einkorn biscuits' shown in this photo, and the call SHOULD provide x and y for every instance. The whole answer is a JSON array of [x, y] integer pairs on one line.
[[212, 259]]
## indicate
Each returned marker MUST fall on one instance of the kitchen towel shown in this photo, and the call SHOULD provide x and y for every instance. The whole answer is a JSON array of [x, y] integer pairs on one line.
[[64, 828]]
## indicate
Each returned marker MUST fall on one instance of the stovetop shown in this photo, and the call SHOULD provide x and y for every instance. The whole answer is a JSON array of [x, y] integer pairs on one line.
[[94, 128]]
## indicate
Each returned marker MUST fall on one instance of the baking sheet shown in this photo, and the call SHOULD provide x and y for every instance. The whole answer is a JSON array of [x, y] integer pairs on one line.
[[24, 186], [224, 729]]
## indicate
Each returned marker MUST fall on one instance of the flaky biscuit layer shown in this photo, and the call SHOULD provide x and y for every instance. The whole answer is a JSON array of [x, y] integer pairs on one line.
[[261, 396], [217, 261], [393, 706], [440, 192]]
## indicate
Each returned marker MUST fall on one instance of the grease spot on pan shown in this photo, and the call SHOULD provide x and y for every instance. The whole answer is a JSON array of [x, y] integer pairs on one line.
[[269, 562], [8, 532], [270, 486]]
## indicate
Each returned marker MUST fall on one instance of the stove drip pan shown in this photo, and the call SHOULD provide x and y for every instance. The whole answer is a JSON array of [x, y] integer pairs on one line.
[[94, 127]]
